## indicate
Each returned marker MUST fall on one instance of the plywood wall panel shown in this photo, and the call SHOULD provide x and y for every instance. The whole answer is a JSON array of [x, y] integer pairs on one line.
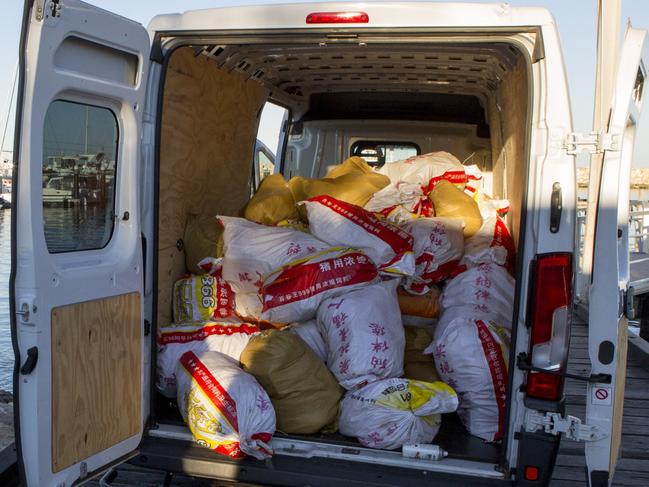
[[509, 140], [96, 376], [209, 126]]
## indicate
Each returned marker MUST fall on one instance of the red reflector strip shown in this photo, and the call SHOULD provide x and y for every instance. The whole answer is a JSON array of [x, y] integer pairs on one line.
[[544, 386], [337, 18], [531, 473]]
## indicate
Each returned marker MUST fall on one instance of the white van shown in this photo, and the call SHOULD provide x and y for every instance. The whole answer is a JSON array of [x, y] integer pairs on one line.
[[176, 107]]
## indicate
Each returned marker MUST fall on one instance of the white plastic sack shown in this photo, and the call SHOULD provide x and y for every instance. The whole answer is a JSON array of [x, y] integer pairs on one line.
[[202, 297], [225, 408], [472, 357], [487, 289], [253, 250], [492, 244], [309, 333], [343, 224], [426, 170], [228, 338], [438, 247], [404, 194], [248, 305], [293, 293], [394, 412], [364, 335]]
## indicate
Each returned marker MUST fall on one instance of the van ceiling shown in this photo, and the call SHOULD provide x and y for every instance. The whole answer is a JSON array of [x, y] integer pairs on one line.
[[296, 71]]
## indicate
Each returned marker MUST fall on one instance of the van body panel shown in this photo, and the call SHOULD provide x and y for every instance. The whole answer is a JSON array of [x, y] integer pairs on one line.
[[81, 405], [381, 14], [549, 163], [608, 309]]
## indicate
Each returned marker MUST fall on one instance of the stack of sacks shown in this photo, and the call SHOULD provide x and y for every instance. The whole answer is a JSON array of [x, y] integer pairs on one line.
[[471, 345], [304, 394], [340, 223], [228, 338], [353, 182], [226, 409], [411, 180]]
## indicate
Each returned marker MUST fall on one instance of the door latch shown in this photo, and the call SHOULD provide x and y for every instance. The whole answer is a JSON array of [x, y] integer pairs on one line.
[[24, 312], [555, 424]]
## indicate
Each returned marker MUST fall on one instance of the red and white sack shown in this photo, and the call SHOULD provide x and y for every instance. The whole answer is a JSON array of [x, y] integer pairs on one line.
[[174, 340], [426, 170], [487, 289], [309, 333], [343, 224], [394, 412], [490, 207], [225, 408], [492, 244], [252, 251], [201, 298], [438, 247], [474, 180], [364, 335], [472, 356], [293, 292], [397, 203]]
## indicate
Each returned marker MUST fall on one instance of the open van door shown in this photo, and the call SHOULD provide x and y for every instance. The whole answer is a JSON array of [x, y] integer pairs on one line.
[[607, 314], [77, 271]]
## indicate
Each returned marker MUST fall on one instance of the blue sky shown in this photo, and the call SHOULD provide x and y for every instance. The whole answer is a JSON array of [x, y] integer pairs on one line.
[[575, 18]]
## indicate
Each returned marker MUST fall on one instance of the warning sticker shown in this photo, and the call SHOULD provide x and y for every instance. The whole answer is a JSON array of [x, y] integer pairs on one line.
[[601, 396]]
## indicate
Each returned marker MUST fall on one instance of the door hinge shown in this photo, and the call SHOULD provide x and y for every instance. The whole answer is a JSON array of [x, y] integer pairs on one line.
[[555, 424], [594, 142]]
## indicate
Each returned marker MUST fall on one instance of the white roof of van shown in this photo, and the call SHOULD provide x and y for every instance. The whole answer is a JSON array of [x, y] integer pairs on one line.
[[381, 14]]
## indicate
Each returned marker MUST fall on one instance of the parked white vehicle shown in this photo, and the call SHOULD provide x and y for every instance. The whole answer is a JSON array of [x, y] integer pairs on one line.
[[485, 82]]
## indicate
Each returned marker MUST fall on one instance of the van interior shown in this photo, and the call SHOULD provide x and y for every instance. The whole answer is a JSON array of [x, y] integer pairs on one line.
[[466, 95]]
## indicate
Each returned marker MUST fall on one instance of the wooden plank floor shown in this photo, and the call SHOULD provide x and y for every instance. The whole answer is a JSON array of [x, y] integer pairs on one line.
[[633, 467]]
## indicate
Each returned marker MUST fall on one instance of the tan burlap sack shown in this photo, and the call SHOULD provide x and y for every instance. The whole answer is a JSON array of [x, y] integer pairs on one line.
[[304, 393]]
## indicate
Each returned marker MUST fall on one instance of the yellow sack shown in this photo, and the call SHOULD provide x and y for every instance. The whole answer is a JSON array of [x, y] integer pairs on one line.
[[451, 202], [353, 165], [203, 238], [417, 365], [304, 393], [272, 203], [353, 182]]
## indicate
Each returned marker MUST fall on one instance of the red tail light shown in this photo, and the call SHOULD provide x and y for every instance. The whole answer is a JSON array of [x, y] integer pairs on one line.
[[337, 18], [550, 324]]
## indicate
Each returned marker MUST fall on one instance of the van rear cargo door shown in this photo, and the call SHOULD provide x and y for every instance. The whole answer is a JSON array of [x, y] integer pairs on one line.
[[77, 276], [607, 327]]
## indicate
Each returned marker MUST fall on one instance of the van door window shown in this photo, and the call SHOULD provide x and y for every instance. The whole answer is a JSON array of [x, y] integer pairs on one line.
[[376, 153], [79, 158], [269, 135]]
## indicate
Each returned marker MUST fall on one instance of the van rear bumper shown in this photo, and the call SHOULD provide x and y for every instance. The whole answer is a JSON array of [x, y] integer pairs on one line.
[[187, 458]]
